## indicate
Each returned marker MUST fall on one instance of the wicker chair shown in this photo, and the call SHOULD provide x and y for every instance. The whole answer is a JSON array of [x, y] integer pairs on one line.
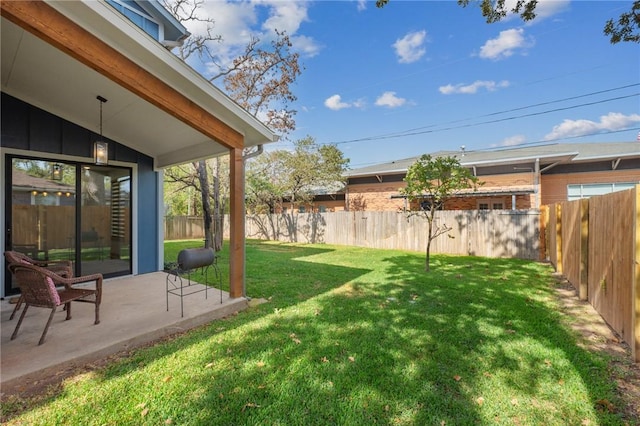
[[64, 268], [38, 287]]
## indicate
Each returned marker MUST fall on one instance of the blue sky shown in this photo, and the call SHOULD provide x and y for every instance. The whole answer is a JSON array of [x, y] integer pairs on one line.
[[421, 76]]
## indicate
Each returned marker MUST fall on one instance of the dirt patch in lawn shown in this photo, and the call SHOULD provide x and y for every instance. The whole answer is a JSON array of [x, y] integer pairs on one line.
[[597, 336]]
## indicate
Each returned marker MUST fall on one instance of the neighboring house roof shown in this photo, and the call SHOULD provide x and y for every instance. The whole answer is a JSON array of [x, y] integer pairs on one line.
[[22, 180], [51, 79], [547, 154]]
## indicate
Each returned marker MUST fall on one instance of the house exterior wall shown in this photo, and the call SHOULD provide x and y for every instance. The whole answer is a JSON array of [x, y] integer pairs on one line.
[[28, 128], [507, 181], [554, 186], [375, 197], [383, 196]]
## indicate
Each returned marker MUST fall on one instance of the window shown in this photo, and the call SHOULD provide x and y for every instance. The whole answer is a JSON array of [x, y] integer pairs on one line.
[[301, 209], [491, 204], [426, 206], [578, 191], [322, 209], [138, 16]]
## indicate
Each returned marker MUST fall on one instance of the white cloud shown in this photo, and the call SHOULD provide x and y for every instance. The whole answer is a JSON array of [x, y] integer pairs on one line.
[[237, 22], [359, 103], [544, 9], [410, 48], [513, 140], [547, 8], [505, 44], [611, 122], [307, 46], [335, 103], [362, 5], [390, 100], [284, 15], [472, 88]]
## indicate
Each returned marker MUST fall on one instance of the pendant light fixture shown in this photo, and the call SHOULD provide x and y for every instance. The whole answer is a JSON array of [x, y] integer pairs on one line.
[[56, 171], [100, 147]]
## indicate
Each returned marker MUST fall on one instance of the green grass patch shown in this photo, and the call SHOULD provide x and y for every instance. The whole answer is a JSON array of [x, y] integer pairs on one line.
[[354, 336]]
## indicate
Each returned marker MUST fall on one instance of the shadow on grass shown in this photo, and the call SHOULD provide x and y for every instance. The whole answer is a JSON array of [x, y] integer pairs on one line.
[[389, 344], [412, 348], [271, 270]]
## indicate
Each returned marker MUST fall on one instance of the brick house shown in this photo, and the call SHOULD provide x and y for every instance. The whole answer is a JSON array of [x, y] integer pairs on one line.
[[514, 178]]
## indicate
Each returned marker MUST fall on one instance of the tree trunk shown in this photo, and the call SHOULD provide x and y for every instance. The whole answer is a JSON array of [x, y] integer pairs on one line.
[[203, 177], [217, 214], [427, 266]]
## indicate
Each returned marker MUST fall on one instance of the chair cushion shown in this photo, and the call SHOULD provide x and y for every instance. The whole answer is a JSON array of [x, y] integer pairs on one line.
[[54, 292], [52, 286]]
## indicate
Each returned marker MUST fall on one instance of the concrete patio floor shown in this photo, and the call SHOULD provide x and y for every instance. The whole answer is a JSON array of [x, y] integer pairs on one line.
[[133, 312]]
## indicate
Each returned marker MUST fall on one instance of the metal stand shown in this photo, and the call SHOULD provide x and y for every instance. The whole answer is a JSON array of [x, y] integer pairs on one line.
[[177, 286]]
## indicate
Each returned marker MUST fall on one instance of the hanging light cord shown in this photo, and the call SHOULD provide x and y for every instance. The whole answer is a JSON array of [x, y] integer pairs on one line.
[[102, 101]]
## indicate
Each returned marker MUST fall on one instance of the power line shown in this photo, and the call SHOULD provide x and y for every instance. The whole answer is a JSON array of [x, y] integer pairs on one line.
[[525, 107], [540, 142], [418, 130]]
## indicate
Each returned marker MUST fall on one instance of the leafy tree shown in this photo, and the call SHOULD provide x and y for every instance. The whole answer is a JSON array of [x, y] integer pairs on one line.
[[259, 80], [625, 28], [431, 181], [293, 177]]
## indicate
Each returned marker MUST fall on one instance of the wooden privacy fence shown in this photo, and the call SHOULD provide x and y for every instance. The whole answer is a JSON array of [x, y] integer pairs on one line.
[[595, 244], [53, 227], [183, 227], [481, 233]]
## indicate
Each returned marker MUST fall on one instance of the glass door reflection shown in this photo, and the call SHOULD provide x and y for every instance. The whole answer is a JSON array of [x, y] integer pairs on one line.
[[105, 212]]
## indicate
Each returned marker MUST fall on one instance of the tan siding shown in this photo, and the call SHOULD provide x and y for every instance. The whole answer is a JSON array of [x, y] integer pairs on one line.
[[506, 181], [554, 187]]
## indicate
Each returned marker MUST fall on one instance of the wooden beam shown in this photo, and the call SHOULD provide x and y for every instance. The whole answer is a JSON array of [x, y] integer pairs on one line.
[[236, 224], [48, 24]]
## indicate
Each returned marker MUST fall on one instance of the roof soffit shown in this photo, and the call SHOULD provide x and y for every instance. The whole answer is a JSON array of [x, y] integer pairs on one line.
[[30, 67]]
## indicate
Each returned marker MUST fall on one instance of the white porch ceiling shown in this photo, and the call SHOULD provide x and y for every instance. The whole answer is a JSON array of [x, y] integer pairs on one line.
[[37, 73]]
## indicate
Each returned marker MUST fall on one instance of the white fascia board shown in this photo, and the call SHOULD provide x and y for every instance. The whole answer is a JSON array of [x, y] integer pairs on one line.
[[607, 157], [100, 19], [561, 156], [385, 173]]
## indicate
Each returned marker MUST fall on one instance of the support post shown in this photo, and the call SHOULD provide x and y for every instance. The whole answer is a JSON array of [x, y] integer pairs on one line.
[[237, 225]]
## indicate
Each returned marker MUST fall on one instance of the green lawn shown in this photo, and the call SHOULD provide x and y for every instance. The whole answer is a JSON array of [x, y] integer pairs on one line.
[[354, 336]]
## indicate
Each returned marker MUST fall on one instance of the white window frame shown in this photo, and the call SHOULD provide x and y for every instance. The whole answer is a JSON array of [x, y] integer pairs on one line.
[[491, 203], [608, 187]]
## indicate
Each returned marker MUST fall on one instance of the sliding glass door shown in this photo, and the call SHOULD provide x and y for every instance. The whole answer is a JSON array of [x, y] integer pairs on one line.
[[104, 242], [72, 211]]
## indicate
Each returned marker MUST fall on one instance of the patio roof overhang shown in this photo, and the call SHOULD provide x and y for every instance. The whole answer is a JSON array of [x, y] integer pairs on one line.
[[59, 56]]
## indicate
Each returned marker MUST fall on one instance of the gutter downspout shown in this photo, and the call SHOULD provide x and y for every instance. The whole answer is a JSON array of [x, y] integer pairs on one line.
[[536, 182], [246, 157]]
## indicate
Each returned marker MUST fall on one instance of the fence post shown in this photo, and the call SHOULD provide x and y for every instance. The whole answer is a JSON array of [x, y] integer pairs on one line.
[[558, 247], [583, 292], [543, 224], [635, 346]]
